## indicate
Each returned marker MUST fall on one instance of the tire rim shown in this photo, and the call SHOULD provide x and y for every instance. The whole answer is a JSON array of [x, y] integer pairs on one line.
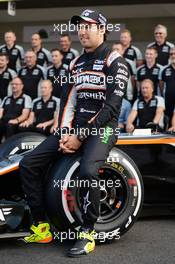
[[113, 200]]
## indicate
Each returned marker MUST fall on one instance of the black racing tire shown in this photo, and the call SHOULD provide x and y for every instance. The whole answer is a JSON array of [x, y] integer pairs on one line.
[[20, 143], [63, 204]]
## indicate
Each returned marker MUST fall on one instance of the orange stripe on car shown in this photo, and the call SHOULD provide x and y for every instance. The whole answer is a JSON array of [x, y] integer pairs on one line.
[[145, 141], [9, 170]]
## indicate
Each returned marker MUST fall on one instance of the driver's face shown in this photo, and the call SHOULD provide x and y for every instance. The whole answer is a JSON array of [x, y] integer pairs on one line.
[[89, 34]]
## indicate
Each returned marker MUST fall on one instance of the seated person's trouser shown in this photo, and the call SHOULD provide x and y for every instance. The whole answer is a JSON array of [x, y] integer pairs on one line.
[[7, 130], [34, 165]]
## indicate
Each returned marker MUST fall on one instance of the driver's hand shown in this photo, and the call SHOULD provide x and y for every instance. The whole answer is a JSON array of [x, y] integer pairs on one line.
[[69, 144]]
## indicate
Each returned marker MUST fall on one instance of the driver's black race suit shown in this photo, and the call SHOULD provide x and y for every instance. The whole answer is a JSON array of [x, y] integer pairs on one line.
[[99, 84]]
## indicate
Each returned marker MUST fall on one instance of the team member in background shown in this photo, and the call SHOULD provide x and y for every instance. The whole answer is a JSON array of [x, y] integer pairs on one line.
[[130, 51], [44, 109], [6, 75], [90, 104], [56, 73], [32, 75], [14, 109], [131, 91], [167, 84], [149, 70], [43, 55], [68, 53], [148, 108], [161, 44], [14, 51]]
